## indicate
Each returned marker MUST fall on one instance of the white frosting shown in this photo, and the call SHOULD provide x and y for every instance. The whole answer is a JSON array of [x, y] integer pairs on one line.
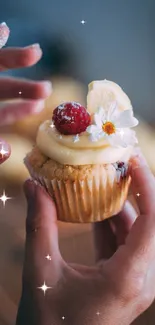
[[108, 106], [65, 151]]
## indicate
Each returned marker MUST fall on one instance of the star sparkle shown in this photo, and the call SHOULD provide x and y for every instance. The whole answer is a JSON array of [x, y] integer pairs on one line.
[[52, 125], [4, 198], [44, 288], [98, 313], [48, 257], [3, 152], [20, 92], [63, 317], [76, 138], [138, 194], [83, 22]]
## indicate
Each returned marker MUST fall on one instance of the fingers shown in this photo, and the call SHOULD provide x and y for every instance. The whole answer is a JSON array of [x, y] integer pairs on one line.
[[111, 233], [139, 250], [143, 184], [15, 110], [41, 225], [20, 88], [5, 151], [13, 58], [11, 112], [104, 239], [123, 222]]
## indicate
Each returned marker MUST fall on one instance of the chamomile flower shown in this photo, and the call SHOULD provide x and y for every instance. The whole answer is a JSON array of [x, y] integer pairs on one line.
[[112, 125]]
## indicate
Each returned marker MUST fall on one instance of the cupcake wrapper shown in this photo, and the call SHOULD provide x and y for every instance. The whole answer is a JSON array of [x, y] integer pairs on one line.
[[89, 200]]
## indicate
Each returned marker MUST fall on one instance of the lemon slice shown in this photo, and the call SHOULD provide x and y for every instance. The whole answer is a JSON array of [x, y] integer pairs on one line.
[[103, 93]]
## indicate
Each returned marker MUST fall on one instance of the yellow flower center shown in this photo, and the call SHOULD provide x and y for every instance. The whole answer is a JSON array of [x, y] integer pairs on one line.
[[109, 128]]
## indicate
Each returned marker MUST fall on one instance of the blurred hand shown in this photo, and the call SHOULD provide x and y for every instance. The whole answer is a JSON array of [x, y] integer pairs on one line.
[[31, 94], [117, 289]]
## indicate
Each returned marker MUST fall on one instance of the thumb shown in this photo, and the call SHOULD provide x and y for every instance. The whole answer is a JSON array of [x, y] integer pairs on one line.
[[41, 230]]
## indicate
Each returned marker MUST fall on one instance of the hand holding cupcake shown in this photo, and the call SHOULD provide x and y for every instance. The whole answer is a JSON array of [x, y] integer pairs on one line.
[[81, 156]]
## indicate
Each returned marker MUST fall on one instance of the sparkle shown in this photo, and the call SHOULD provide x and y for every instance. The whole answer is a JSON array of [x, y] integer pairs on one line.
[[61, 106], [44, 288], [48, 257], [52, 125], [4, 198], [138, 194], [3, 152], [76, 138], [63, 317], [83, 22], [98, 313], [20, 92]]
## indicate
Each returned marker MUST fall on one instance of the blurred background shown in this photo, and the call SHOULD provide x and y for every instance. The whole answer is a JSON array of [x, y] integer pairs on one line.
[[81, 41]]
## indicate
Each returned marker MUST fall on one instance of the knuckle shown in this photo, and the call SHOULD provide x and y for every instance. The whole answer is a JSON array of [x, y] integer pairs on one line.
[[31, 228], [131, 289], [145, 302], [37, 91], [147, 298], [33, 223], [25, 59]]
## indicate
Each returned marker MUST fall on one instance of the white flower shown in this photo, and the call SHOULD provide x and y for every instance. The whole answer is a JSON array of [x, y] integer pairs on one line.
[[113, 125]]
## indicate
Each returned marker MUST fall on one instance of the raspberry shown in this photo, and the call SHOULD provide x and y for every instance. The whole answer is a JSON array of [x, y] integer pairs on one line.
[[71, 118]]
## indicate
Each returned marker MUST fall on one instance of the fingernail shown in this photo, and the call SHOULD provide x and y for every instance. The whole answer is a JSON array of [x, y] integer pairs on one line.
[[35, 46], [138, 160], [4, 34], [3, 24], [36, 183], [5, 151], [29, 189], [39, 106], [48, 86], [6, 27]]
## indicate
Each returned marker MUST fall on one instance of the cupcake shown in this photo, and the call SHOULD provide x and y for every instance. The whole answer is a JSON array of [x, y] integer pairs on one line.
[[81, 155]]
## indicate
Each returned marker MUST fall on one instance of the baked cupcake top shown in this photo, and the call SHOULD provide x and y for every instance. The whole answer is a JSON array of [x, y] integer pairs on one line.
[[100, 134]]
